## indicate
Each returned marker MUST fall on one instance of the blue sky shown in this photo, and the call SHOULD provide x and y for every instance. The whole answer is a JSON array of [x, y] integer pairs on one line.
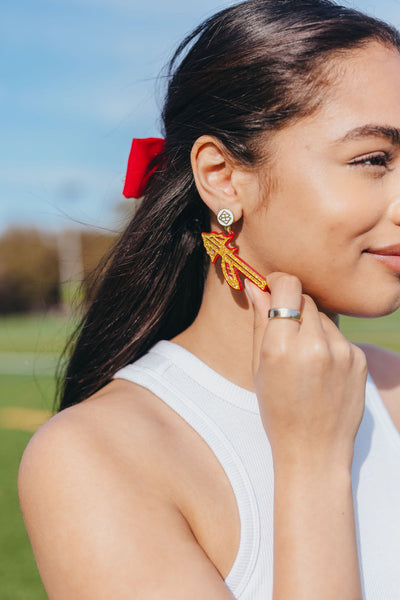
[[78, 82]]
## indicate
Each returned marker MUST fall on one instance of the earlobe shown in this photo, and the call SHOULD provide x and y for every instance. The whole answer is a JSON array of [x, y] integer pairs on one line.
[[213, 173]]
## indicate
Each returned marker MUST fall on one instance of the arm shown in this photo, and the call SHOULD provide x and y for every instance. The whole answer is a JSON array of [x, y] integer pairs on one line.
[[310, 383], [315, 550], [99, 526]]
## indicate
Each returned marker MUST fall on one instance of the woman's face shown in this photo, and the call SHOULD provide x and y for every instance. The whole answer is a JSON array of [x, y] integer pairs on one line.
[[337, 193]]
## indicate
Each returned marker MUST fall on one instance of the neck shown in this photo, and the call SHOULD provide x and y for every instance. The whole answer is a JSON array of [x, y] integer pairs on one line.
[[222, 333]]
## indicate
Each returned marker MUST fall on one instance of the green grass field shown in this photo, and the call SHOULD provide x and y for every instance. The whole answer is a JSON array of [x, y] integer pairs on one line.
[[29, 347]]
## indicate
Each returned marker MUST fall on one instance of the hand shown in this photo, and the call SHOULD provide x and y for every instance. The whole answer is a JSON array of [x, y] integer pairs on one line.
[[309, 380]]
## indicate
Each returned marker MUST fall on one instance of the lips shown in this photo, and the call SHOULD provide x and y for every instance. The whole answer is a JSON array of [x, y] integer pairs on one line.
[[388, 255], [386, 250]]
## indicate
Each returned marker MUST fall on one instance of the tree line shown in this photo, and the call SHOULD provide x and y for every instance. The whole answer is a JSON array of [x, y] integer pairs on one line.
[[41, 270]]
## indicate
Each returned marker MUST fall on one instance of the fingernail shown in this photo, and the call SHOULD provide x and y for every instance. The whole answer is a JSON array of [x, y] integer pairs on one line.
[[248, 291]]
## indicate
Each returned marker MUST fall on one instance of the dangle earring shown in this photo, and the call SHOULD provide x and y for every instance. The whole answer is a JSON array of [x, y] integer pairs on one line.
[[218, 244]]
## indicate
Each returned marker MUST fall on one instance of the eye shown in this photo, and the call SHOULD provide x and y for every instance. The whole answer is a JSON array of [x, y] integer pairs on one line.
[[381, 160]]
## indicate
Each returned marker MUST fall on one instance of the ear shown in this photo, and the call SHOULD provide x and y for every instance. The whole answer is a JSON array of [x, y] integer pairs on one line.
[[219, 181]]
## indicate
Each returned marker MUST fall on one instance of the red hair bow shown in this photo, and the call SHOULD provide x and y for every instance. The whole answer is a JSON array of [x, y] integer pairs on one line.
[[143, 151]]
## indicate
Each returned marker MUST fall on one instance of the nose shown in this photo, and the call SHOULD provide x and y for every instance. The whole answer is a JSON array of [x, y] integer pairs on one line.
[[395, 212]]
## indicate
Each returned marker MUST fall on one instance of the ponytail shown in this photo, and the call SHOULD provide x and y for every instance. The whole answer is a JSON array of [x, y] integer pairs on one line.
[[152, 289]]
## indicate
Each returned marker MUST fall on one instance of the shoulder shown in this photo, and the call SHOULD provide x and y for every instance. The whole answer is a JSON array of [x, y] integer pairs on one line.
[[383, 365], [98, 503], [117, 424], [121, 441], [82, 443], [384, 368]]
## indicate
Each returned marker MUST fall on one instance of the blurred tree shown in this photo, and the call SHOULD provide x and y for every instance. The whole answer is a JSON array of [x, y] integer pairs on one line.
[[28, 271], [95, 248], [31, 269], [70, 268]]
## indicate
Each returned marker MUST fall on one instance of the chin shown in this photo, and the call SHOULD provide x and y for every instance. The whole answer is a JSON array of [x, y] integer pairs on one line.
[[368, 307], [371, 311]]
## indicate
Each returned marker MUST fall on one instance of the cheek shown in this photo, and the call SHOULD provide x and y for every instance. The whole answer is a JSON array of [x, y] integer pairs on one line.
[[315, 223], [323, 206], [303, 224], [319, 238]]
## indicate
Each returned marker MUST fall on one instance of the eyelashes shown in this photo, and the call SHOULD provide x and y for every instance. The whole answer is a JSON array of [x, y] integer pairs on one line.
[[376, 161]]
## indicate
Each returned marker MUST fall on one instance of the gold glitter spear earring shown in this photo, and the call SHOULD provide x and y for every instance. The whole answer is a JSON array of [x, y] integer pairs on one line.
[[218, 244]]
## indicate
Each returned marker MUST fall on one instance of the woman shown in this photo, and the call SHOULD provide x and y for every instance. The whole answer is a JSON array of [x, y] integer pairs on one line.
[[245, 453]]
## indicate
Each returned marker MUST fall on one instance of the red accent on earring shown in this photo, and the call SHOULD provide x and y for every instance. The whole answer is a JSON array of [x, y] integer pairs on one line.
[[217, 244]]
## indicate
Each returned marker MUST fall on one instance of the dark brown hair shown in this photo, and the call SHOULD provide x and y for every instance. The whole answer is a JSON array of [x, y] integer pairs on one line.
[[251, 69]]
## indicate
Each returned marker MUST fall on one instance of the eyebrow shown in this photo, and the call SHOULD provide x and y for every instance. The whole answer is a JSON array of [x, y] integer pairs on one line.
[[370, 130]]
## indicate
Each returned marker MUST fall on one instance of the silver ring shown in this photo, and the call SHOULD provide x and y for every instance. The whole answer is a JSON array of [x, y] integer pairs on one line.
[[284, 313]]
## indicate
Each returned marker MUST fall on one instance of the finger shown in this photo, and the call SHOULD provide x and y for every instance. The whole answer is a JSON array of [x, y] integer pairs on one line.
[[334, 335], [261, 303], [317, 325], [330, 327], [285, 293], [319, 321], [311, 322]]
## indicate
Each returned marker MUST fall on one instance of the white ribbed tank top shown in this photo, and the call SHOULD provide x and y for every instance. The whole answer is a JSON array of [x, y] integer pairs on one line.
[[227, 418]]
